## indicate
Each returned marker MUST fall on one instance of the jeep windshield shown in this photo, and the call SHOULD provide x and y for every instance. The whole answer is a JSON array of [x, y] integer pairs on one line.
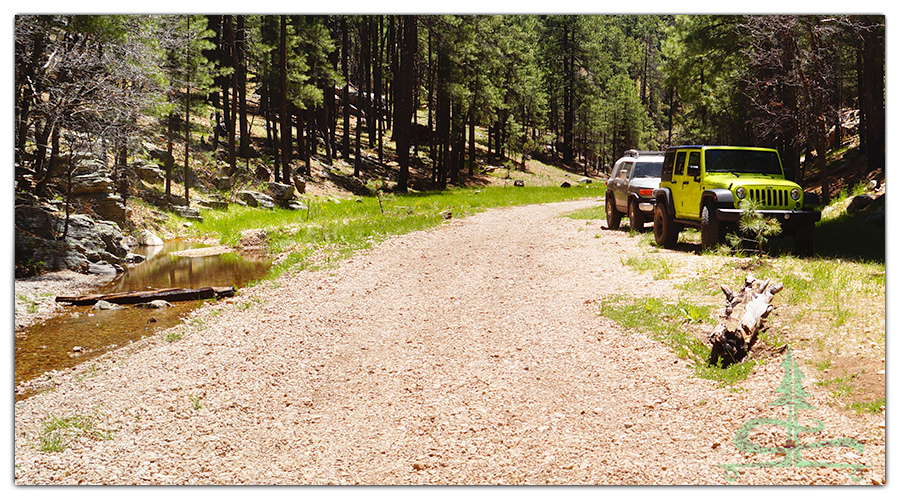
[[647, 169], [742, 161]]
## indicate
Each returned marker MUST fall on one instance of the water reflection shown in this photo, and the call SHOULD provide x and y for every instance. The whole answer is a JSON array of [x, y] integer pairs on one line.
[[81, 333], [162, 269]]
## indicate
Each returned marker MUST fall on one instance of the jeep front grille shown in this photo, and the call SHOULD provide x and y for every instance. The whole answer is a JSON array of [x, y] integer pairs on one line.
[[770, 197]]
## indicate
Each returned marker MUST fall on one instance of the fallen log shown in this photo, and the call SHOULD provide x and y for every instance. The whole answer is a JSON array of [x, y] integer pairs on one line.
[[738, 329], [168, 294]]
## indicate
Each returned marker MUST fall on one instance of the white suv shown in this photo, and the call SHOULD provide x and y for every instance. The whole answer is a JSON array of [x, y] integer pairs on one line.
[[629, 190]]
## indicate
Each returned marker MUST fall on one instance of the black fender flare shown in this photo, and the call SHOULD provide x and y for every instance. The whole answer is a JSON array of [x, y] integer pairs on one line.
[[663, 197], [720, 198]]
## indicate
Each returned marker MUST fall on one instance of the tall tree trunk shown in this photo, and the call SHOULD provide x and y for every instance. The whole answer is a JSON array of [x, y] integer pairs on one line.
[[404, 108], [568, 96], [30, 87], [285, 117], [240, 50], [169, 162], [873, 91], [345, 94], [187, 128], [229, 107]]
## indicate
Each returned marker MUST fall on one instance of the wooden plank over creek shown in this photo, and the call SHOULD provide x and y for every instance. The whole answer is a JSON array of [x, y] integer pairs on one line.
[[168, 294]]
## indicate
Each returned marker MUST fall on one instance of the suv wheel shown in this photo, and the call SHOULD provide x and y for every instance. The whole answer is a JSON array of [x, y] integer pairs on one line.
[[613, 216], [665, 231], [635, 216], [711, 233], [805, 240]]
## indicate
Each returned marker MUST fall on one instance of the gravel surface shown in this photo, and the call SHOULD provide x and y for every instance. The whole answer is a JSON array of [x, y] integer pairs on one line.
[[36, 296], [469, 354]]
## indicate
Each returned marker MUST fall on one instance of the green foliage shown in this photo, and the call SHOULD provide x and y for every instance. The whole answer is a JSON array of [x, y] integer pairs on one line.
[[757, 226], [57, 433], [876, 406]]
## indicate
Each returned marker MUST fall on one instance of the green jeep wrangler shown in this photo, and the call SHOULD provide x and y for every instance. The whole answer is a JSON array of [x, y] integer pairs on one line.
[[702, 187]]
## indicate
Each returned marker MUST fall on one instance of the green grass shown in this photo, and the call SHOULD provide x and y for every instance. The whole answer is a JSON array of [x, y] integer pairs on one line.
[[58, 433], [668, 322], [868, 406], [592, 213], [332, 229], [659, 268]]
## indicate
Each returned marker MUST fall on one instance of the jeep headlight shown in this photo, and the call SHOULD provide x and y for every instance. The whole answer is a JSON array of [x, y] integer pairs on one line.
[[740, 192], [795, 194]]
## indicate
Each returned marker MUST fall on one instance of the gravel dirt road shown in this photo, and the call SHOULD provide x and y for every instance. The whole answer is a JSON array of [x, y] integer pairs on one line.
[[473, 353]]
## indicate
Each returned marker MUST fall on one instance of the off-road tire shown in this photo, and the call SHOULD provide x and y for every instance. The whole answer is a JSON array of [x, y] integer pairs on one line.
[[665, 231], [635, 216], [613, 216], [711, 230], [805, 240]]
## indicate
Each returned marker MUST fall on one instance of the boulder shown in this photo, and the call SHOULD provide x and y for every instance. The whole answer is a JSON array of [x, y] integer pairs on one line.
[[93, 183], [55, 255], [519, 183], [101, 268], [256, 199], [88, 235], [150, 174], [299, 183], [565, 185], [859, 203], [280, 192], [135, 258], [110, 207], [103, 305], [155, 304], [262, 173], [146, 238], [584, 180], [188, 213], [295, 205], [179, 201], [214, 204], [223, 183]]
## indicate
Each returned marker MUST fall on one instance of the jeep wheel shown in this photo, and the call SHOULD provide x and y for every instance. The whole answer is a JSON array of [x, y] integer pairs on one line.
[[613, 216], [711, 233], [805, 240], [635, 216], [665, 231]]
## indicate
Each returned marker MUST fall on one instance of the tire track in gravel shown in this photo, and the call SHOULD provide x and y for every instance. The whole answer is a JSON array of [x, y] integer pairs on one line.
[[469, 354]]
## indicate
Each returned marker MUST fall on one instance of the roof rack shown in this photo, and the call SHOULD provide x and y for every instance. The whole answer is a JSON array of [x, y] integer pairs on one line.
[[634, 153]]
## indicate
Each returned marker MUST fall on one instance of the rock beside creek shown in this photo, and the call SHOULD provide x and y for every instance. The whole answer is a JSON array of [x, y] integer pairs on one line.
[[89, 245]]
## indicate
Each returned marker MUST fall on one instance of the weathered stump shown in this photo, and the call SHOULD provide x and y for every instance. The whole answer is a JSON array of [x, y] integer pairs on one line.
[[745, 311]]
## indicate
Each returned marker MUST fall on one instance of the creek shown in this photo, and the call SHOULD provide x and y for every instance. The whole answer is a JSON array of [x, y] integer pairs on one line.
[[80, 333]]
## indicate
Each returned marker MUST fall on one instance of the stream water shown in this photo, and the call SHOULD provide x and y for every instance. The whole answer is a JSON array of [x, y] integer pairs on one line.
[[80, 333]]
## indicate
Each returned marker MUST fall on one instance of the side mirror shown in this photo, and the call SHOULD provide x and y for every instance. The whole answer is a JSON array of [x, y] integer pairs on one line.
[[693, 170]]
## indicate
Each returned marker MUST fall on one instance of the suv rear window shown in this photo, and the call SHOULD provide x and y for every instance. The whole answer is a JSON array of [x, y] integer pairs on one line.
[[742, 161], [647, 169]]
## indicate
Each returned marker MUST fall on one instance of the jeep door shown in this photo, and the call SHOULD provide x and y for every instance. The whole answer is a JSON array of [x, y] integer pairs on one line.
[[679, 183], [693, 188]]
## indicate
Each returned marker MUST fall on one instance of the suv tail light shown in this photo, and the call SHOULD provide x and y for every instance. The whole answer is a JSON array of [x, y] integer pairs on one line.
[[645, 192]]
